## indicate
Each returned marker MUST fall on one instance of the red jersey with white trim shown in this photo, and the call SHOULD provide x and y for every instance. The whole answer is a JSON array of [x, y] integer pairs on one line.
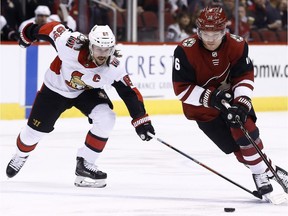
[[195, 69], [72, 72]]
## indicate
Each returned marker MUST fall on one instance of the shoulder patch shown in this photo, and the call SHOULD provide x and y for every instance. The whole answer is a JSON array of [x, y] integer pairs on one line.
[[188, 42], [115, 62], [236, 37], [70, 42]]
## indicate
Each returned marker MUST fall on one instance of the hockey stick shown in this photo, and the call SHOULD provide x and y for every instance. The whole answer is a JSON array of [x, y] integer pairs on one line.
[[245, 132], [254, 193]]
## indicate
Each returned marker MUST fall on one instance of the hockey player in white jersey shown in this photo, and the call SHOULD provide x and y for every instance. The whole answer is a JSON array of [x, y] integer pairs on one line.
[[76, 77]]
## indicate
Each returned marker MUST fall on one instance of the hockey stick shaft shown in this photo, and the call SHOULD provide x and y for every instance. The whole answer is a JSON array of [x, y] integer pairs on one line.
[[263, 157], [254, 193]]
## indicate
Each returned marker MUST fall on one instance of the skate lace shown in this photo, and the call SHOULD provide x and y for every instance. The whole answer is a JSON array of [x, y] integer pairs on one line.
[[261, 179], [90, 166], [17, 162]]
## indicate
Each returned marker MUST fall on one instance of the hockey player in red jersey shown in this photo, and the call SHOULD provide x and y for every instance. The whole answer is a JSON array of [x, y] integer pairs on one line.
[[76, 77], [212, 66]]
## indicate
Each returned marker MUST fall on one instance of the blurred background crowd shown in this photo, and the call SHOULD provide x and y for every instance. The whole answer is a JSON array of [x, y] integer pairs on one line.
[[254, 20]]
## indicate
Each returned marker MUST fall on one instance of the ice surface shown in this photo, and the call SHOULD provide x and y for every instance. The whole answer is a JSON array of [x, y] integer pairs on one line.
[[144, 178]]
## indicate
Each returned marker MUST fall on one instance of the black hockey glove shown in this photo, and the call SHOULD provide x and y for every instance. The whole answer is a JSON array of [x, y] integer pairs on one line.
[[25, 37], [213, 98], [143, 125], [240, 109]]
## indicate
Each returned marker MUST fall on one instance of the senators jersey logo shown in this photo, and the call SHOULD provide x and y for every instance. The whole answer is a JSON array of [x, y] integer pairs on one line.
[[76, 82], [189, 42]]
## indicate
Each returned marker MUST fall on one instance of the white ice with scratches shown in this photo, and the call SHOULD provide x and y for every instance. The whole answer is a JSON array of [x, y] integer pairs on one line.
[[144, 178]]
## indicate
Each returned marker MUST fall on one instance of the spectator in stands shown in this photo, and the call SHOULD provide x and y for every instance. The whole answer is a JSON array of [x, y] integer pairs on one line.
[[13, 12], [119, 5], [181, 29], [229, 8], [7, 33], [64, 17], [99, 12], [243, 25], [283, 13], [73, 9], [142, 5], [275, 3], [266, 17], [152, 5], [73, 6], [195, 6], [42, 13], [147, 5], [31, 6], [3, 22], [177, 6]]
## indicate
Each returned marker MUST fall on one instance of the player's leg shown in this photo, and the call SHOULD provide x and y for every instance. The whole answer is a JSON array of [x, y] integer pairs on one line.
[[47, 108], [219, 132], [97, 106], [26, 142], [260, 172]]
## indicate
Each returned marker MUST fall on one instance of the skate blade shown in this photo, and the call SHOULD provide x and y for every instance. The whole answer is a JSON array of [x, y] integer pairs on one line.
[[81, 181], [275, 198]]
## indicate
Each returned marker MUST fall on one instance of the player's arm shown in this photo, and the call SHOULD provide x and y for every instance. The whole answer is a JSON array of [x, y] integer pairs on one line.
[[131, 97], [242, 75], [135, 105], [47, 32], [183, 78], [242, 80], [186, 89]]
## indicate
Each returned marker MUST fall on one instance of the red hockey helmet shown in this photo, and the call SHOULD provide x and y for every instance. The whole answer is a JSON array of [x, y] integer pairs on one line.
[[211, 19]]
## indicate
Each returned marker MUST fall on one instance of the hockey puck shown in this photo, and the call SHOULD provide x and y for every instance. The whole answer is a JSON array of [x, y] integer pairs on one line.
[[229, 209]]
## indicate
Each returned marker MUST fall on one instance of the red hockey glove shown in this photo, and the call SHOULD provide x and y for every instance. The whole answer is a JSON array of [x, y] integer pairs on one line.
[[143, 125], [25, 38], [240, 109], [212, 97]]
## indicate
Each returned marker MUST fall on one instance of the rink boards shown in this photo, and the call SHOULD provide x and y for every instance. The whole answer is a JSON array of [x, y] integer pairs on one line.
[[149, 67]]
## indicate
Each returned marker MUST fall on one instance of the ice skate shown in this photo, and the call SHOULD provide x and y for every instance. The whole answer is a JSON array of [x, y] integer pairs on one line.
[[15, 164], [262, 183], [283, 175], [273, 194], [88, 175]]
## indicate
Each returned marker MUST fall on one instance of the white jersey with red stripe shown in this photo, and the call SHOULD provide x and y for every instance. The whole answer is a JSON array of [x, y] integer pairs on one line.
[[71, 73]]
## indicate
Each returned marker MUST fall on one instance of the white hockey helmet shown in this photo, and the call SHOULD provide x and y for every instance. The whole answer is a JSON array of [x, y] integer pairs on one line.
[[102, 37], [42, 10]]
